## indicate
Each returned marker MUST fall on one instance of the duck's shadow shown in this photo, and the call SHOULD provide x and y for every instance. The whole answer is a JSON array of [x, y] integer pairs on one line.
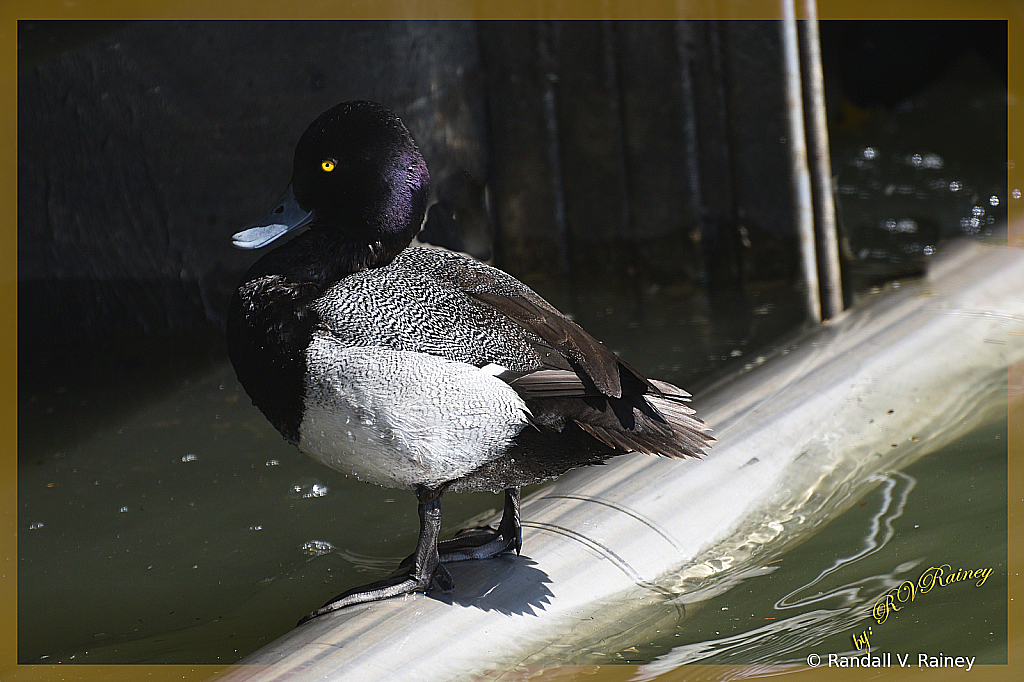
[[507, 584]]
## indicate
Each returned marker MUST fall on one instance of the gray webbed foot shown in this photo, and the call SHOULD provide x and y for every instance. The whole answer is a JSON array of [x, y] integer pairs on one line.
[[485, 542], [419, 573]]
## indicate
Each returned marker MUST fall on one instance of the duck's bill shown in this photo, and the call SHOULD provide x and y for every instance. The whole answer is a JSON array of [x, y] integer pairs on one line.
[[285, 217]]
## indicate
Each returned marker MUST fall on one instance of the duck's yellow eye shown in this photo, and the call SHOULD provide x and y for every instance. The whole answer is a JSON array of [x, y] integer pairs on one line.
[[327, 165]]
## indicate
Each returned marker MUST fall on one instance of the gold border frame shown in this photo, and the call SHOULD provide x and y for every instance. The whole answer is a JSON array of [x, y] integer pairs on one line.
[[13, 10]]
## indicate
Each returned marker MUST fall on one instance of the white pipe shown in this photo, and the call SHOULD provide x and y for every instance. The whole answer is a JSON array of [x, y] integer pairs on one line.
[[888, 381]]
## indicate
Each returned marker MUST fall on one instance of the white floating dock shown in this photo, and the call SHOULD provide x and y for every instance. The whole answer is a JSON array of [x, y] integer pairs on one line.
[[893, 379]]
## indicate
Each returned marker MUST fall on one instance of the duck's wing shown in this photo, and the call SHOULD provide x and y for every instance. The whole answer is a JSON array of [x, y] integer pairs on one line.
[[599, 392], [600, 365]]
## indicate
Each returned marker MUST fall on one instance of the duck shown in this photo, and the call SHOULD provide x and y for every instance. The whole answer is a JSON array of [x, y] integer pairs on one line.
[[419, 368]]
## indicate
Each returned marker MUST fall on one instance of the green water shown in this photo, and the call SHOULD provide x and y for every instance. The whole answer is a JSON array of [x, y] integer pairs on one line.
[[943, 513], [185, 530]]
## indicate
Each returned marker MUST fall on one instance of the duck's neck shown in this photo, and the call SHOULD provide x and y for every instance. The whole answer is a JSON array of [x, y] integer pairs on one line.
[[331, 258]]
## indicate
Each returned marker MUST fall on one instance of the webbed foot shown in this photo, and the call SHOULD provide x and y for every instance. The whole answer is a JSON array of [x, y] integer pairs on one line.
[[406, 581], [485, 542], [419, 573]]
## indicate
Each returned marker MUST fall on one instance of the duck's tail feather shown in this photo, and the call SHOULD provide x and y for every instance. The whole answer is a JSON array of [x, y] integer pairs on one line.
[[672, 431], [656, 421]]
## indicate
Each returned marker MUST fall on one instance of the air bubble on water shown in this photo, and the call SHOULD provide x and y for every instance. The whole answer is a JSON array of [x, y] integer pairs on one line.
[[189, 458], [902, 226], [993, 200], [970, 225], [307, 487], [317, 547]]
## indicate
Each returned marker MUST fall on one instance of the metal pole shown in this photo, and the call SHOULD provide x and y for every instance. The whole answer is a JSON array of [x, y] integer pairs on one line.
[[816, 126], [799, 169]]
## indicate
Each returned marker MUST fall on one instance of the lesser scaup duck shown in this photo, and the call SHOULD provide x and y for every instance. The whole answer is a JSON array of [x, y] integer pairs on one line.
[[420, 368]]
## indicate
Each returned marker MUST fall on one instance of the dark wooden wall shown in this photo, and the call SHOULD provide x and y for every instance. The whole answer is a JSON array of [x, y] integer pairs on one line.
[[637, 146], [640, 152]]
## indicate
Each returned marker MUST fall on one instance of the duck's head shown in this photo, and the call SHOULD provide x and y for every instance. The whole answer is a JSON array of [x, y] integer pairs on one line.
[[358, 178]]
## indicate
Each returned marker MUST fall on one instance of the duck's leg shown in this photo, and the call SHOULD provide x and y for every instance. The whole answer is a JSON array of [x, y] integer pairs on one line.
[[418, 573], [485, 542]]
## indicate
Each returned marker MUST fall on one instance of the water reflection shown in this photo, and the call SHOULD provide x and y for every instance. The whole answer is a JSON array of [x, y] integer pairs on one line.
[[912, 520], [841, 607], [895, 207], [894, 490]]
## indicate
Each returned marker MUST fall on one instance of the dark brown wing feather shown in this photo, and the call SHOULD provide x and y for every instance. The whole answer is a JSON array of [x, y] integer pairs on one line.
[[571, 341], [598, 391]]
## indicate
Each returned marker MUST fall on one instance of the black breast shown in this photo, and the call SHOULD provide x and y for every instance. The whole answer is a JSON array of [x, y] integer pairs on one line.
[[269, 328]]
